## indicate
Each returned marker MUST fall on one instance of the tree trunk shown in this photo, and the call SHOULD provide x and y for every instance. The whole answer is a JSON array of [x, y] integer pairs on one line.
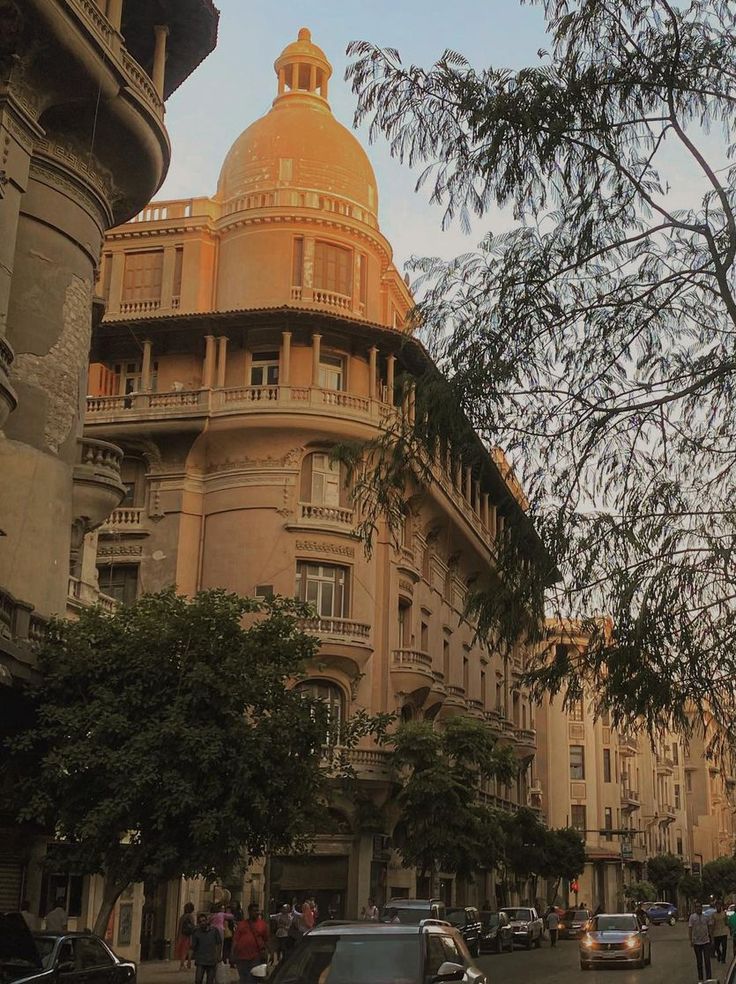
[[109, 897], [554, 893]]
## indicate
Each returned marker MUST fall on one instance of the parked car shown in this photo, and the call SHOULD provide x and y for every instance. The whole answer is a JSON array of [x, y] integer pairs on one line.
[[466, 919], [615, 939], [526, 924], [661, 912], [45, 958], [497, 933], [412, 911], [573, 923], [373, 953]]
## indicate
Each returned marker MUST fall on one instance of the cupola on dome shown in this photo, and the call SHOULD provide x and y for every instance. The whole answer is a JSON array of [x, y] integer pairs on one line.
[[299, 146]]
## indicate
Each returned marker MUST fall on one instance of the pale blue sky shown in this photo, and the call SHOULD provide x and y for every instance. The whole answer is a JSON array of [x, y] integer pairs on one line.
[[236, 84]]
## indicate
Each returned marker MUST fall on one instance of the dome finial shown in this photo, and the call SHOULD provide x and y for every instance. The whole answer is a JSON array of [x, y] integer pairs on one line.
[[303, 69]]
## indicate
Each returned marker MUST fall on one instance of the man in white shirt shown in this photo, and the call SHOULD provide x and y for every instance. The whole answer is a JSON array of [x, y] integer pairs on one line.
[[700, 933], [56, 920]]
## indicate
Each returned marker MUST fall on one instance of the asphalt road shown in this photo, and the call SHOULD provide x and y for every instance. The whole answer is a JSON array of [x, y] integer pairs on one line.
[[673, 962]]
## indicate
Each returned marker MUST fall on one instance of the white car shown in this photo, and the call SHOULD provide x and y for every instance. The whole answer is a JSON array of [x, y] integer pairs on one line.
[[527, 925]]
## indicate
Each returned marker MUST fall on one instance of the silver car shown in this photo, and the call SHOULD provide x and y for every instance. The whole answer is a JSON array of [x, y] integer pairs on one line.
[[615, 939], [527, 925]]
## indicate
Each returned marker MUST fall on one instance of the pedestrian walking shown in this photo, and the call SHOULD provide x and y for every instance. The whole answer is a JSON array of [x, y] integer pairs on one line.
[[370, 912], [700, 934], [283, 921], [228, 933], [184, 931], [57, 919], [553, 925], [249, 944], [720, 933], [207, 950]]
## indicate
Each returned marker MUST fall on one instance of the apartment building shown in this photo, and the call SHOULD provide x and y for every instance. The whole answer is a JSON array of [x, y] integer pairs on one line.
[[630, 798]]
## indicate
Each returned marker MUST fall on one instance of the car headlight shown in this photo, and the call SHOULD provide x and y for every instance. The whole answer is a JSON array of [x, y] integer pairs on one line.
[[632, 942], [523, 925], [562, 926], [587, 941]]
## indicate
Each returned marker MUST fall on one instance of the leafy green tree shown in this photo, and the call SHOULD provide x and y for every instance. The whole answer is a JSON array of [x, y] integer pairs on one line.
[[441, 825], [596, 340], [642, 891], [719, 877], [664, 871], [691, 886], [565, 858], [526, 845], [167, 740]]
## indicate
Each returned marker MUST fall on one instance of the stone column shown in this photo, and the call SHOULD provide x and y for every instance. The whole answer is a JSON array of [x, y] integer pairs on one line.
[[208, 368], [161, 33], [390, 378], [308, 272], [469, 484], [312, 78], [485, 517], [221, 360], [146, 366], [476, 498], [285, 373], [372, 367], [316, 348], [282, 81], [167, 277], [117, 273], [115, 13]]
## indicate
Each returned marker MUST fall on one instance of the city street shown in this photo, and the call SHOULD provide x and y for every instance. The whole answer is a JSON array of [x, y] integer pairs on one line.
[[672, 963]]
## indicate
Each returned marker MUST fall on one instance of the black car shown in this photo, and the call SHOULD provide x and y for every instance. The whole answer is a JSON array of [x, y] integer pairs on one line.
[[57, 958], [497, 933], [374, 953], [467, 920]]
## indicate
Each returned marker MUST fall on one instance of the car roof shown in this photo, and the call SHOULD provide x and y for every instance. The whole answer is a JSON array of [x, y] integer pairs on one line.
[[408, 903], [363, 928], [55, 935]]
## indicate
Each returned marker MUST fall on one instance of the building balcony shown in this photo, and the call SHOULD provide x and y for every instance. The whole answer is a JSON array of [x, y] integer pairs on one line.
[[494, 719], [628, 745], [98, 488], [411, 670], [83, 595], [664, 767], [364, 763], [526, 741], [475, 708], [668, 812], [337, 629], [629, 799], [125, 519], [454, 703], [316, 516], [150, 407]]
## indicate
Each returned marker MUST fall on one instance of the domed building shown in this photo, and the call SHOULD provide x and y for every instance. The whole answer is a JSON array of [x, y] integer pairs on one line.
[[246, 334]]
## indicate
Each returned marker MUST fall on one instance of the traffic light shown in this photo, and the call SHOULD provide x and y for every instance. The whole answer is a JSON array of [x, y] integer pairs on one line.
[[574, 886]]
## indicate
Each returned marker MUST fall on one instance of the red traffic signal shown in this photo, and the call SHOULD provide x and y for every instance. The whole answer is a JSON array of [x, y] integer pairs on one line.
[[574, 886]]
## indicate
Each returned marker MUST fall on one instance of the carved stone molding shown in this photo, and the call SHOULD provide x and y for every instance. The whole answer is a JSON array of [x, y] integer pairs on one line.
[[118, 551], [320, 546]]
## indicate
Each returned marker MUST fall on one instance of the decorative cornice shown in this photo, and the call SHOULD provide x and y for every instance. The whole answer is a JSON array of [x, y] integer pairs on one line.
[[320, 546]]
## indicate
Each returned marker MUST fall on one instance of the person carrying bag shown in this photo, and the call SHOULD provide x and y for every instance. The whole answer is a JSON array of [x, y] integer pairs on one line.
[[250, 944]]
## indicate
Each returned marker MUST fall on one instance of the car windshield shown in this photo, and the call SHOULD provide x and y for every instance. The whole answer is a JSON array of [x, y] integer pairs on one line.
[[491, 919], [369, 959], [456, 917], [519, 915], [614, 924], [576, 915]]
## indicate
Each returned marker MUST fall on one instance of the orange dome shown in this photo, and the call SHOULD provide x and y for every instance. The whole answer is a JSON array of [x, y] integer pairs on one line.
[[299, 144]]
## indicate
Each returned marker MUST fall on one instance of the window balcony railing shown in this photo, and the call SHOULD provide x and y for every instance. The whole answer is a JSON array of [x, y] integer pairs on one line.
[[125, 519], [337, 628], [411, 658], [310, 512], [331, 298], [139, 307], [80, 594], [456, 694]]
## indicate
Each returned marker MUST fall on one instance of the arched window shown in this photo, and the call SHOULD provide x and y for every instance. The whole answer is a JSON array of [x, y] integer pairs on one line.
[[332, 697], [323, 481]]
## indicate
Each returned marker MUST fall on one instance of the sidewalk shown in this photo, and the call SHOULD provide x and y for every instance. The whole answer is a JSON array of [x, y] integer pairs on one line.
[[167, 972]]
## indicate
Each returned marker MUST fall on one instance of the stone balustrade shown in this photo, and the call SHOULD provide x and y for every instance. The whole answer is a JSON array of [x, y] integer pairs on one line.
[[344, 629], [411, 658], [101, 456], [331, 299], [83, 595], [125, 519], [140, 307], [310, 512]]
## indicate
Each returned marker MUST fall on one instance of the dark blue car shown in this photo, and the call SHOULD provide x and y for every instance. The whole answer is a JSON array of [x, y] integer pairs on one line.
[[661, 912]]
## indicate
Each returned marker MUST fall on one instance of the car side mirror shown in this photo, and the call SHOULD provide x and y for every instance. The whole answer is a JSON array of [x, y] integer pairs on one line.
[[448, 971], [260, 971]]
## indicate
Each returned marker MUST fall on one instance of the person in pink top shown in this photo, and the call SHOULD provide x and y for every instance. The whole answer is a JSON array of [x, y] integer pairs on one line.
[[217, 918]]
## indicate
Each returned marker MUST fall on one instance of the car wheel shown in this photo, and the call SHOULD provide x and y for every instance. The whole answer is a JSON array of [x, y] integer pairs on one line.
[[672, 920]]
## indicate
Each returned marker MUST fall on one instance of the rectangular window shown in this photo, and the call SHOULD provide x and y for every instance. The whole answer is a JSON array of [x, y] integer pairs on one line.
[[264, 591], [606, 765], [677, 796], [576, 711], [142, 276], [178, 264], [324, 586], [297, 266], [264, 369], [363, 260], [404, 625], [608, 822], [331, 372], [577, 762], [675, 753], [578, 819], [129, 377], [424, 637], [325, 481], [333, 268], [119, 581], [483, 687]]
